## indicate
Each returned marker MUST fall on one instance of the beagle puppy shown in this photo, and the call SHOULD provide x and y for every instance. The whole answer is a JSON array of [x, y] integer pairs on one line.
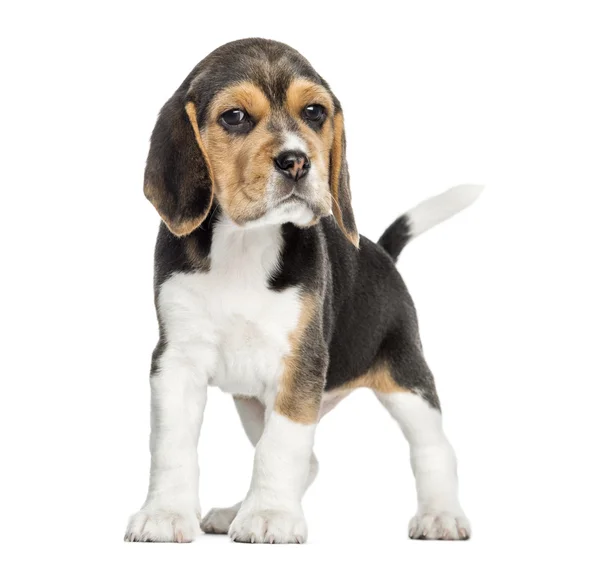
[[264, 288]]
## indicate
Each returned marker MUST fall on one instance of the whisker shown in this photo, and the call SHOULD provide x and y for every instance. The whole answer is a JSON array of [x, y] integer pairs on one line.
[[212, 215], [338, 207]]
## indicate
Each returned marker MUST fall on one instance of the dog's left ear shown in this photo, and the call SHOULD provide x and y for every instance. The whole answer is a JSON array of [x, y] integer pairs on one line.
[[178, 178], [339, 181]]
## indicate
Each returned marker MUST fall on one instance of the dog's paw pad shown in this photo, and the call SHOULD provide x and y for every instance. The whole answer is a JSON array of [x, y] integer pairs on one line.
[[442, 525], [162, 526]]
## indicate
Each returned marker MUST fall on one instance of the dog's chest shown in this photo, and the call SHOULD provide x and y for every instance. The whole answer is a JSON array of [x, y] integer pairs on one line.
[[227, 322]]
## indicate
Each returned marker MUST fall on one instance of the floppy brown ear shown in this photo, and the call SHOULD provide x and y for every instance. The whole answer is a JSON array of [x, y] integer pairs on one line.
[[178, 178], [339, 182]]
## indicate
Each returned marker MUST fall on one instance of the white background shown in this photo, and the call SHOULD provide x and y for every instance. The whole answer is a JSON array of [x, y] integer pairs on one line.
[[435, 94]]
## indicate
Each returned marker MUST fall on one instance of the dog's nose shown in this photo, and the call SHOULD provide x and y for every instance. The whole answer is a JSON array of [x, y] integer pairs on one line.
[[293, 164]]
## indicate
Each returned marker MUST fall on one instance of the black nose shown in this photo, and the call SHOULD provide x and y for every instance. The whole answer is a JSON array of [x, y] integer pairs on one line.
[[293, 164]]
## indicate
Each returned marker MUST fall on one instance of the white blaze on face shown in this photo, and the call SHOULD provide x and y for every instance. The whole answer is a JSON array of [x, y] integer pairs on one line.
[[314, 187], [286, 212], [317, 182], [294, 142]]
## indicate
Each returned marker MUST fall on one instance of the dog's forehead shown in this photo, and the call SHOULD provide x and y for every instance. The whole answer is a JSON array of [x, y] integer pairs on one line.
[[270, 65]]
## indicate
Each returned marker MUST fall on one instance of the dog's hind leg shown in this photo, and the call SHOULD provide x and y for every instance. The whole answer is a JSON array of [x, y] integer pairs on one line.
[[252, 415], [416, 409]]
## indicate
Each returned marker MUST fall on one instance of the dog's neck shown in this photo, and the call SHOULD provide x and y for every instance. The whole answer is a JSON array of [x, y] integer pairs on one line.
[[252, 253]]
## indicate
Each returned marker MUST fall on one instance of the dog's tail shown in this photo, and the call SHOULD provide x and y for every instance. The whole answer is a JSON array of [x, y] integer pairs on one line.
[[426, 215]]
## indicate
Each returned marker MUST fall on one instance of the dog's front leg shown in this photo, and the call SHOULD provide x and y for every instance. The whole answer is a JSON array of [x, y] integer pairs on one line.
[[171, 512], [272, 511]]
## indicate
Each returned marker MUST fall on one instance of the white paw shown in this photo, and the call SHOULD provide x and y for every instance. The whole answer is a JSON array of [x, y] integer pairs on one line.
[[272, 526], [439, 525], [162, 525], [218, 520]]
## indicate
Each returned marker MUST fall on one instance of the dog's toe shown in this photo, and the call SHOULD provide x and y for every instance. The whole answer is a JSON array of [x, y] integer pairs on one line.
[[439, 525], [161, 525]]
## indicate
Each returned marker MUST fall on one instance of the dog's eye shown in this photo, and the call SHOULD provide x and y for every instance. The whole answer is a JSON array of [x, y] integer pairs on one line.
[[236, 120], [314, 113]]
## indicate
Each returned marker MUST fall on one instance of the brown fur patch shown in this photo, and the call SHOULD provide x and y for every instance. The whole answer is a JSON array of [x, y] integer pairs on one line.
[[337, 157], [302, 93], [300, 390], [242, 164], [243, 95], [377, 378]]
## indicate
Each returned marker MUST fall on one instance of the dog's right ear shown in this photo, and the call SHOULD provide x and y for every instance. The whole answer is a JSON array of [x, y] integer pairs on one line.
[[178, 178]]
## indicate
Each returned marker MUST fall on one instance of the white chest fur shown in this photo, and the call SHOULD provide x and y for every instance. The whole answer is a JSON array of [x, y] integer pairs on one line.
[[226, 322]]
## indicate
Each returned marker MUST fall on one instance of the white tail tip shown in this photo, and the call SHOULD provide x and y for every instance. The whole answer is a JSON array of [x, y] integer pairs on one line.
[[441, 207]]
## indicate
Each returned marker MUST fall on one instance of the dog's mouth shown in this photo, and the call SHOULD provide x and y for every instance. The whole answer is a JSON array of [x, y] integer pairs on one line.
[[295, 198]]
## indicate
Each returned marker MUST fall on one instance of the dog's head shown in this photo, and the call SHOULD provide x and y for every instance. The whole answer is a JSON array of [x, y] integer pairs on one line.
[[255, 128]]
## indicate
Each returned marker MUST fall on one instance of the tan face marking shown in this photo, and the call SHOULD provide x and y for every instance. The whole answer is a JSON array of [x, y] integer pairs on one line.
[[302, 93], [242, 164]]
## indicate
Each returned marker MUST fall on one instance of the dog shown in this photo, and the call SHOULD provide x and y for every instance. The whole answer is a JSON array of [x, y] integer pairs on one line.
[[265, 289]]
